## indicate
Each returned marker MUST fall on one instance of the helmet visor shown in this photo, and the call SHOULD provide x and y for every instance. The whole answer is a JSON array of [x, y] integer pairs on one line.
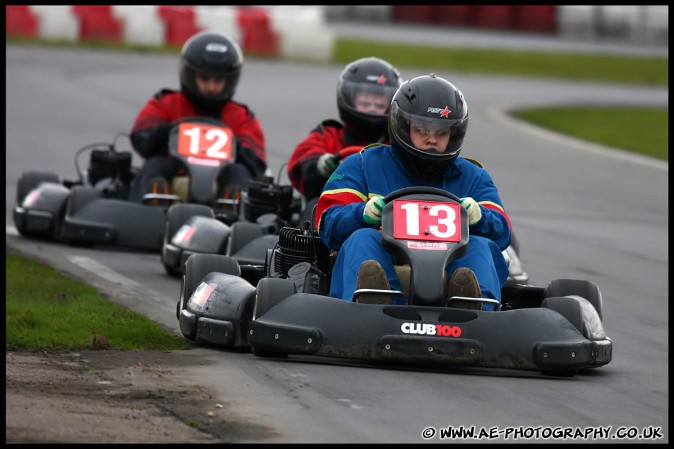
[[430, 134], [366, 98]]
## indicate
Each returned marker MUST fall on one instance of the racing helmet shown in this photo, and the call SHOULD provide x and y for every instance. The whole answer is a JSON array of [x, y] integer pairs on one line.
[[214, 53], [436, 104], [366, 75]]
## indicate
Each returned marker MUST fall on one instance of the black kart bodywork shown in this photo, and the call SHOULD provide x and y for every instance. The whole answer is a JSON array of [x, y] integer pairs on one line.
[[263, 209], [553, 329], [91, 210], [95, 208]]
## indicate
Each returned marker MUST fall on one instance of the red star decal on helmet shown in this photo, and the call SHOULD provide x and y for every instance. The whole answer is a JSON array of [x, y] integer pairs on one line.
[[445, 112], [381, 80]]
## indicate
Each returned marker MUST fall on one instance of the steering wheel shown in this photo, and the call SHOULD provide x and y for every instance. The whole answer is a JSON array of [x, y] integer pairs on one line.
[[420, 190], [428, 258]]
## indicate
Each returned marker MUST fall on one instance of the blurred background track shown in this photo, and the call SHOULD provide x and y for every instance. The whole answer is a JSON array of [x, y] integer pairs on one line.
[[308, 31]]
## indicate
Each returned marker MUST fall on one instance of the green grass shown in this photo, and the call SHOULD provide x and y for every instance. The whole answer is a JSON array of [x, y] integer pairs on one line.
[[583, 67], [639, 130], [45, 310]]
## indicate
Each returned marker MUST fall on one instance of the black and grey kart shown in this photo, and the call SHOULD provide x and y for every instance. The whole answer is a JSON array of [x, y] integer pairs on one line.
[[250, 229], [264, 208], [553, 329], [95, 208]]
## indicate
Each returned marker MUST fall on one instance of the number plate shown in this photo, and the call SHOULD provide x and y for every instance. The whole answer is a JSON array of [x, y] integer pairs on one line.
[[426, 221], [205, 141]]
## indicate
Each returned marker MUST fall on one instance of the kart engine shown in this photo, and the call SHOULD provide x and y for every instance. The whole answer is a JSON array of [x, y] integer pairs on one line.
[[265, 197], [300, 253], [107, 163], [110, 171]]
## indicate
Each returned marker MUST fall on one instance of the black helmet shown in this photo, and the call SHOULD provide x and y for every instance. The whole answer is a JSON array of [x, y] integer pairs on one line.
[[437, 103], [370, 75], [215, 53]]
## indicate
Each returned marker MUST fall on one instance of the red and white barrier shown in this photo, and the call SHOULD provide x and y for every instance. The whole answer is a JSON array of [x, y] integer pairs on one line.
[[283, 31]]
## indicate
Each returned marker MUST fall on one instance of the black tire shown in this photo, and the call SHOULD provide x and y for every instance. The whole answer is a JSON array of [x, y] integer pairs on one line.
[[567, 287], [31, 179], [197, 267], [176, 216], [243, 232], [270, 292]]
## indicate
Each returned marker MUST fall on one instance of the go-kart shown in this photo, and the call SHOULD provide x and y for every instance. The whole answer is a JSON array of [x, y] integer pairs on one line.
[[95, 208], [264, 208], [553, 329]]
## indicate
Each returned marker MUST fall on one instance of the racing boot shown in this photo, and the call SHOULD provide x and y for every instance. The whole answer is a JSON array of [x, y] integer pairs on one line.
[[464, 283], [372, 276]]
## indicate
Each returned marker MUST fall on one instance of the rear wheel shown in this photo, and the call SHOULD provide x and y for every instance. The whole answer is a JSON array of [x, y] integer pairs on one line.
[[176, 216]]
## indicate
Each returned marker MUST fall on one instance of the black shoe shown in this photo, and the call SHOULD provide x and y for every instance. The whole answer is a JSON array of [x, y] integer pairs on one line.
[[464, 284], [371, 276]]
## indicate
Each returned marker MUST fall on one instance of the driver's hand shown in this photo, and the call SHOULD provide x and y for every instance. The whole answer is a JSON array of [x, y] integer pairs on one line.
[[372, 212], [473, 209], [327, 164], [161, 133]]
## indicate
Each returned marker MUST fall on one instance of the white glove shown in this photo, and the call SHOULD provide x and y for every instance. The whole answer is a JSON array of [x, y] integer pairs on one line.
[[473, 209], [327, 163], [372, 212]]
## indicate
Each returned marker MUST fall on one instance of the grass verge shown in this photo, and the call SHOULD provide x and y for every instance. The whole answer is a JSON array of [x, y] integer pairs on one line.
[[644, 131], [45, 310], [571, 66]]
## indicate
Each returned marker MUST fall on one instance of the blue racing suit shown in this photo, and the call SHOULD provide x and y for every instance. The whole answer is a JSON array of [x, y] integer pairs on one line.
[[380, 170]]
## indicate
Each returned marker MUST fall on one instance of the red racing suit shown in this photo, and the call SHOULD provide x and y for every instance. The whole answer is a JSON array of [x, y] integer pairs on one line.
[[168, 105], [330, 136], [149, 137]]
